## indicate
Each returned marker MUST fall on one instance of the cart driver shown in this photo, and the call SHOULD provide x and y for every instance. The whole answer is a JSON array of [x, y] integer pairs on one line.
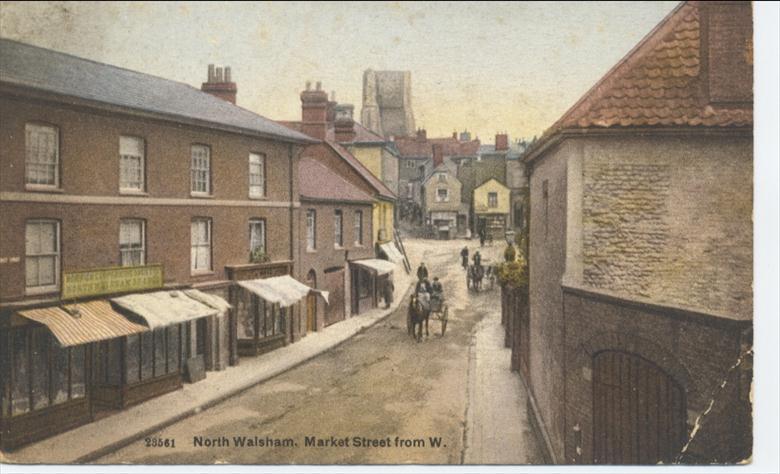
[[437, 291]]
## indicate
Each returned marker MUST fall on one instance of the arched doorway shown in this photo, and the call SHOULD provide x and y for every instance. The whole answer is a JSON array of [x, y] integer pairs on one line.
[[311, 303], [638, 411]]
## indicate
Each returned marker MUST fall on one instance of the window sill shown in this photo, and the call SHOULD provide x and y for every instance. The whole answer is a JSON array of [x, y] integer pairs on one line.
[[40, 188], [203, 273], [338, 247], [311, 250], [130, 192], [201, 196], [42, 291], [258, 198]]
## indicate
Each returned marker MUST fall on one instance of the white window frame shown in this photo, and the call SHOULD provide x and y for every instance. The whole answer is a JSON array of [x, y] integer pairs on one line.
[[409, 190], [56, 254], [311, 230], [34, 157], [256, 175], [496, 201], [358, 227], [129, 248], [200, 171], [338, 228], [127, 157], [198, 248], [446, 197], [254, 242]]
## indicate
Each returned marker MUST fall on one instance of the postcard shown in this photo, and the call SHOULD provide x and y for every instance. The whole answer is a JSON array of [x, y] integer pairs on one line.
[[356, 233]]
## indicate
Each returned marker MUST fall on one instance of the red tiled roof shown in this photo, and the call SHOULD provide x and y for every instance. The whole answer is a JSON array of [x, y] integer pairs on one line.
[[414, 147], [661, 82], [367, 175], [317, 181]]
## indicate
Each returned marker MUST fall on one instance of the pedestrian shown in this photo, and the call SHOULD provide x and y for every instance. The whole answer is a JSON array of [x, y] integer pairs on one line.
[[482, 237], [477, 259], [422, 271], [510, 254], [464, 257], [388, 292]]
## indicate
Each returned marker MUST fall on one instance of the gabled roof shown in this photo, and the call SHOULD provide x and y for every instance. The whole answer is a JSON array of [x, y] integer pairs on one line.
[[367, 175], [364, 173], [662, 82], [446, 167], [317, 181], [42, 69], [489, 180]]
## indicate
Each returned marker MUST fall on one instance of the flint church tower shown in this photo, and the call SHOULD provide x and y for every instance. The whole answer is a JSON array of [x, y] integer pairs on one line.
[[387, 103]]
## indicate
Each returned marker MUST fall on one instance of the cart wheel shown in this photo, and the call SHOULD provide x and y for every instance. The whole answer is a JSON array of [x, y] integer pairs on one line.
[[444, 320]]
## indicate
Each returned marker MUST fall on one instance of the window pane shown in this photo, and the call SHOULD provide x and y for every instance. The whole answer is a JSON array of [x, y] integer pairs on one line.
[[46, 271], [32, 239], [78, 371], [40, 368], [147, 356], [20, 396], [159, 352], [31, 272], [131, 146], [59, 374], [133, 346], [173, 349]]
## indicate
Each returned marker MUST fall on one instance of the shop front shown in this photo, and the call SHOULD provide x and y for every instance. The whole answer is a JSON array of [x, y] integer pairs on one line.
[[46, 370], [368, 279], [266, 309]]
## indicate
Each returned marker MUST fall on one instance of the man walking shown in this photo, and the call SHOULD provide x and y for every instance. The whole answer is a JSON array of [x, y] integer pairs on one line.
[[422, 271], [464, 257]]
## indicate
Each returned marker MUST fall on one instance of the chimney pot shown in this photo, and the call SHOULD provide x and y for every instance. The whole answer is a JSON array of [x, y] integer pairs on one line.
[[218, 77], [308, 85], [211, 73], [319, 85], [227, 74]]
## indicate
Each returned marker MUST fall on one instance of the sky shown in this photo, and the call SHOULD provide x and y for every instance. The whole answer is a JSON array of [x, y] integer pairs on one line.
[[511, 67]]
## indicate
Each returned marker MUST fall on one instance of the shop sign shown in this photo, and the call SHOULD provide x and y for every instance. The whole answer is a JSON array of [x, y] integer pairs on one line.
[[105, 281]]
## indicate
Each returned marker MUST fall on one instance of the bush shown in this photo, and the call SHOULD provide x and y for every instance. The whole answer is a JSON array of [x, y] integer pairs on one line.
[[514, 273], [258, 256]]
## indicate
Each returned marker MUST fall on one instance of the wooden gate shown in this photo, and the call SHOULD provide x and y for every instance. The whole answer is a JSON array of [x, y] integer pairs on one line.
[[334, 283], [638, 411]]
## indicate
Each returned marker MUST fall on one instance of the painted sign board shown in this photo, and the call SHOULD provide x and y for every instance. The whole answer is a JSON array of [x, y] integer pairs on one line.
[[104, 281]]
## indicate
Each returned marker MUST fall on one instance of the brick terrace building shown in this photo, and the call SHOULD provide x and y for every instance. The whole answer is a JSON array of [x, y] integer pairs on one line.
[[106, 167], [641, 252]]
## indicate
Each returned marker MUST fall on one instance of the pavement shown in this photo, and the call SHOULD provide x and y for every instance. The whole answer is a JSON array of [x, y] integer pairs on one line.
[[99, 438]]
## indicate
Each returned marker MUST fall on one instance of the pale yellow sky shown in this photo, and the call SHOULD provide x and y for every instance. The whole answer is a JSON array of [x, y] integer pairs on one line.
[[485, 67]]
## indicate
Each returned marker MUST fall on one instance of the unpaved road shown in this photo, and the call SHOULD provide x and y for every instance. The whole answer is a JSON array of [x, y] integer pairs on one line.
[[379, 385]]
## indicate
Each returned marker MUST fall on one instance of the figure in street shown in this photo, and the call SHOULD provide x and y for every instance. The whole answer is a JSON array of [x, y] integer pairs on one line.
[[388, 292], [464, 257], [422, 271]]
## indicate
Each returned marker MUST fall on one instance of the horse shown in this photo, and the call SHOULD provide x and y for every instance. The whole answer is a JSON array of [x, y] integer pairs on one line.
[[418, 315]]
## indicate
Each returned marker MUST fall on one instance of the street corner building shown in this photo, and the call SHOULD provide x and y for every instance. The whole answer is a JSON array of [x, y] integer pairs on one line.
[[347, 209], [149, 235], [636, 342]]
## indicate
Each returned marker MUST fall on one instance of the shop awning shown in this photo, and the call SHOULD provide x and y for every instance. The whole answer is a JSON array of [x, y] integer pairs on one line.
[[381, 267], [164, 308], [208, 299], [83, 323], [282, 290], [325, 295], [392, 252]]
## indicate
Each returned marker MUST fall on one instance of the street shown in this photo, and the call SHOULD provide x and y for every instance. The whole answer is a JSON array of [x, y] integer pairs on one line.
[[380, 397]]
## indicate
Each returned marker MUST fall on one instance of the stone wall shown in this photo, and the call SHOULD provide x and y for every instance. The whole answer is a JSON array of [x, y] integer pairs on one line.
[[669, 219]]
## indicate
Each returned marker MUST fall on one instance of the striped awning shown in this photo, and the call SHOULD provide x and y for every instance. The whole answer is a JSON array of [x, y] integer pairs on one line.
[[83, 323]]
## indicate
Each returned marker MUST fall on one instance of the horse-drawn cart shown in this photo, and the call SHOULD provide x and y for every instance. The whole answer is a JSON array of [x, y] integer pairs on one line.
[[420, 313], [475, 274]]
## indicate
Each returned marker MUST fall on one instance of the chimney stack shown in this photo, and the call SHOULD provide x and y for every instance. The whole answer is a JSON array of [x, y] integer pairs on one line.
[[465, 136], [454, 135], [220, 86], [502, 142], [438, 155], [331, 115], [345, 124], [314, 111], [422, 135]]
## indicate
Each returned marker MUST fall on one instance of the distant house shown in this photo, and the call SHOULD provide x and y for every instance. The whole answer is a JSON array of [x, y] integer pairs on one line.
[[491, 208], [441, 203], [641, 252]]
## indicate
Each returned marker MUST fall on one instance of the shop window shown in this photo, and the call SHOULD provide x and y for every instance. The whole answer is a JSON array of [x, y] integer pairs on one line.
[[246, 325], [40, 368], [59, 374], [147, 356], [133, 359], [173, 348], [159, 352], [78, 372], [20, 390], [42, 156]]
